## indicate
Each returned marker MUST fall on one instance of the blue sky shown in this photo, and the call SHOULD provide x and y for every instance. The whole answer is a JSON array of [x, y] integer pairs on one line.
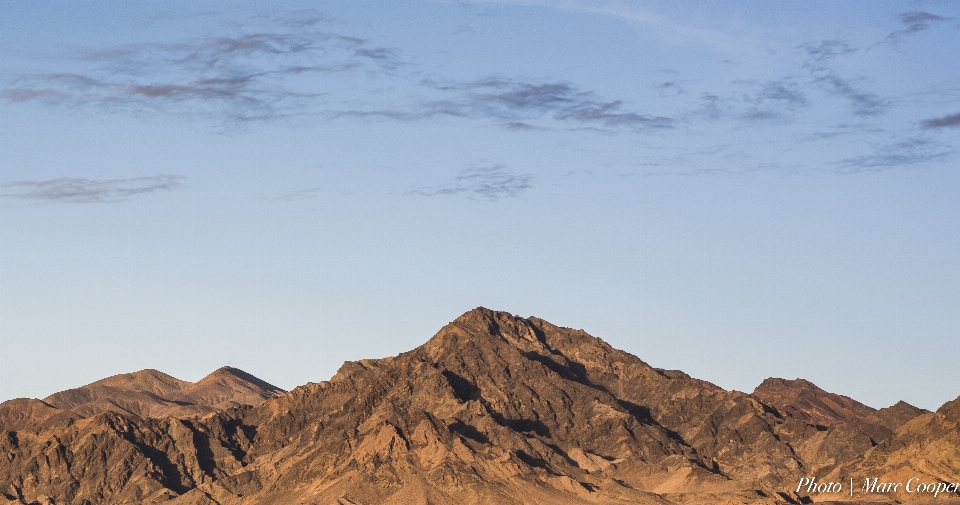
[[738, 190]]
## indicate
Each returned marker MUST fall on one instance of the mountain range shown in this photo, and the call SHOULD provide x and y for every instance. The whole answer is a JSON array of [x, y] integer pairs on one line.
[[493, 409]]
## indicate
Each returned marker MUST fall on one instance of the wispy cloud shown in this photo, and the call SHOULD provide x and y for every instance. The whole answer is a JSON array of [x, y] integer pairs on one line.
[[490, 183], [943, 122], [909, 152], [74, 190], [669, 89], [302, 18], [914, 22], [773, 99], [516, 101], [649, 20], [249, 77], [818, 64], [826, 50], [519, 105], [864, 103], [302, 194], [783, 91]]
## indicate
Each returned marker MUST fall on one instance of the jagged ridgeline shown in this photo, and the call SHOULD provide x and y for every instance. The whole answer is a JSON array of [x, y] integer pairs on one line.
[[494, 409]]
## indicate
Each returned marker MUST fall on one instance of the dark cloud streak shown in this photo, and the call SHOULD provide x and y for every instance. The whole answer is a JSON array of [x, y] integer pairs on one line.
[[251, 77], [913, 22], [864, 103], [826, 50], [302, 18], [516, 101], [901, 154], [489, 183], [943, 122], [519, 105], [817, 64], [77, 190]]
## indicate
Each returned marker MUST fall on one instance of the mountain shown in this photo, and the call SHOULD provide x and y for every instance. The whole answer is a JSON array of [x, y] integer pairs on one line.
[[494, 409], [147, 393]]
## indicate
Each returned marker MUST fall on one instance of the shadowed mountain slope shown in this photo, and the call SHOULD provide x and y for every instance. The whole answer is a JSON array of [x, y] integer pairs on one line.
[[494, 409]]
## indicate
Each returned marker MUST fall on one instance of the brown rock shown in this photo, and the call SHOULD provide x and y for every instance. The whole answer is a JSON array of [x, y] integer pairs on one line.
[[22, 413]]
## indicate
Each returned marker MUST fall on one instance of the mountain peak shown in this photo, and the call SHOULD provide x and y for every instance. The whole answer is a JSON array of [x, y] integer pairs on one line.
[[487, 329], [148, 381], [488, 321], [227, 375], [777, 384]]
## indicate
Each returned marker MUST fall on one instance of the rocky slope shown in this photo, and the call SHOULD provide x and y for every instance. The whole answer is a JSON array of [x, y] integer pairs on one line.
[[494, 409], [24, 413]]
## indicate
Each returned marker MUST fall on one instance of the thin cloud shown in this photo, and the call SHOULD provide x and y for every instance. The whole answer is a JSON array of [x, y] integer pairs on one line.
[[250, 77], [842, 130], [302, 18], [28, 95], [711, 106], [222, 52], [864, 103], [826, 50], [773, 100], [76, 190], [490, 183], [669, 89], [302, 194], [515, 101], [521, 126], [387, 58], [901, 154], [780, 91], [914, 22], [817, 63], [943, 122], [668, 27], [394, 114], [518, 105]]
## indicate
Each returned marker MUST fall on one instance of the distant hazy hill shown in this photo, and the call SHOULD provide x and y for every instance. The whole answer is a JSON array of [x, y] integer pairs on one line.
[[494, 409], [147, 393]]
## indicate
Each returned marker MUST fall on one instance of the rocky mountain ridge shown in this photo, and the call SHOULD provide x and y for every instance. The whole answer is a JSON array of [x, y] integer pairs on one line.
[[494, 409]]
